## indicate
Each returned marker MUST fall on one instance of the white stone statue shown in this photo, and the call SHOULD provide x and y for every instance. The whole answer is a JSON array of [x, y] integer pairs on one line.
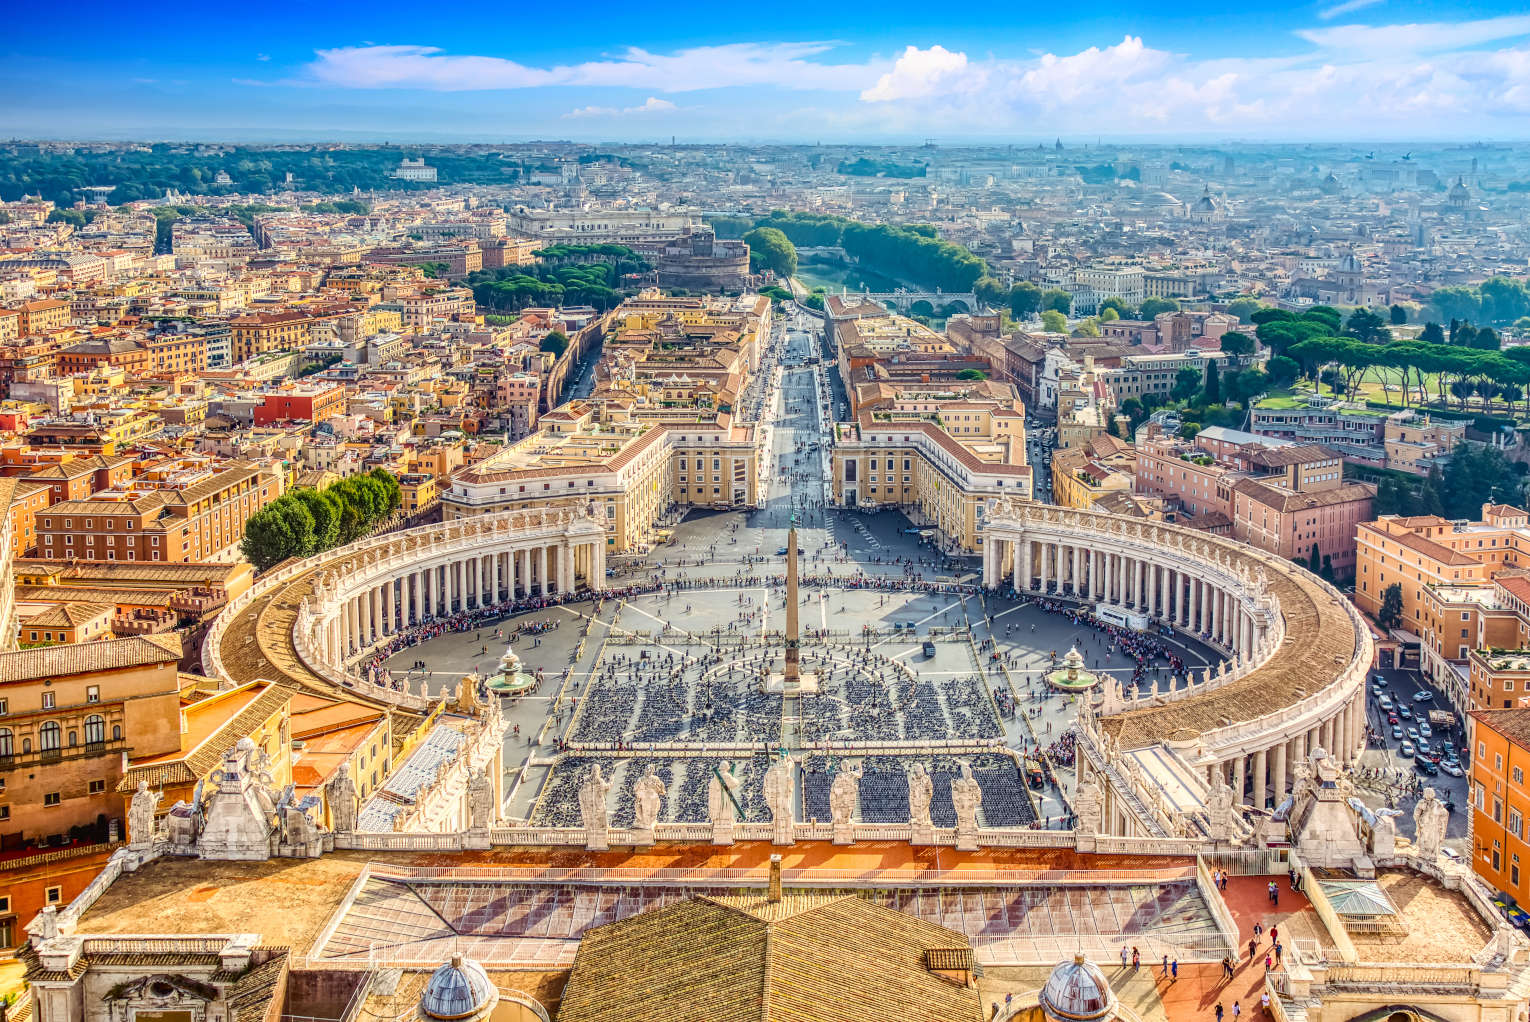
[[780, 785], [720, 811], [141, 815], [648, 798], [1220, 810], [593, 813], [1384, 833], [921, 790], [1429, 820], [966, 797], [480, 796], [341, 796], [297, 828], [844, 797], [1087, 806]]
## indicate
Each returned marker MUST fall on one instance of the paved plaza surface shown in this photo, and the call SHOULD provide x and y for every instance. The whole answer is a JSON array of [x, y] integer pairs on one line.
[[684, 665]]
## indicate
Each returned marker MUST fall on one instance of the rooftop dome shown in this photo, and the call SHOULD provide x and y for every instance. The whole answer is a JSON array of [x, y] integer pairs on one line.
[[460, 989], [1077, 991]]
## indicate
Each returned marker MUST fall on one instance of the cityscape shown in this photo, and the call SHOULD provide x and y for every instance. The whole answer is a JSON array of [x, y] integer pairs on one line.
[[930, 528]]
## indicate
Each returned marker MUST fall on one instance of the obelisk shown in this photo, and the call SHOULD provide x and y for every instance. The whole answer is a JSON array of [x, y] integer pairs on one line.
[[793, 670]]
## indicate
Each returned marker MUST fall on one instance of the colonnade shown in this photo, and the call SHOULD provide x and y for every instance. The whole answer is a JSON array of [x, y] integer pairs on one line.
[[1141, 580]]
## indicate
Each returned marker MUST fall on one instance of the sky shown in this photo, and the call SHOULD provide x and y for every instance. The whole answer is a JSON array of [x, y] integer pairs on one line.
[[796, 71]]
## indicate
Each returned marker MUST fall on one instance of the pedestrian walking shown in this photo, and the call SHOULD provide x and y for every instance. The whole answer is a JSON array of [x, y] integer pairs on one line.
[[1173, 970], [1125, 956], [1237, 1009], [1219, 1011]]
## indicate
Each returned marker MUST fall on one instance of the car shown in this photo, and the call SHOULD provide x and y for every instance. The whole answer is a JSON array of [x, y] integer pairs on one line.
[[1397, 734], [928, 649], [1376, 691], [1380, 680], [1405, 750], [1423, 766], [1452, 768], [1423, 695], [1393, 718], [1425, 731], [1386, 702], [1405, 713]]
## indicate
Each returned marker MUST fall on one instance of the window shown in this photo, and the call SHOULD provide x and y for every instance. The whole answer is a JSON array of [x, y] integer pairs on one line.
[[95, 729], [47, 700], [1516, 824], [48, 736], [92, 693], [54, 895], [7, 746], [51, 798]]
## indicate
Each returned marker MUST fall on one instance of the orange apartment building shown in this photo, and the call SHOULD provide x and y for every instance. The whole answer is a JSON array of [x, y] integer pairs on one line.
[[1500, 803], [68, 714], [43, 316], [1275, 495], [176, 520]]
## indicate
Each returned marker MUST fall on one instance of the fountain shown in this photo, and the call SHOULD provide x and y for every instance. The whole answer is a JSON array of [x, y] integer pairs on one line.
[[1072, 677], [510, 680]]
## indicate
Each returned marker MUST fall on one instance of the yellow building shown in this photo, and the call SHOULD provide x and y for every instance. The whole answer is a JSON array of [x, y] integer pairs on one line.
[[1084, 476]]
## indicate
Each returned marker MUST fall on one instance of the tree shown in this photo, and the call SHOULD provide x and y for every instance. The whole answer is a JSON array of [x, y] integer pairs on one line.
[[990, 291], [1054, 322], [324, 508], [771, 249], [1186, 383], [1188, 430], [1391, 612], [1024, 300], [1213, 384], [1283, 371], [1238, 344], [556, 342], [1244, 309], [1119, 306], [1057, 298], [1428, 501], [1432, 334], [1315, 560], [1153, 307], [1365, 325], [1109, 315], [1087, 328], [1327, 571], [1399, 315], [972, 374]]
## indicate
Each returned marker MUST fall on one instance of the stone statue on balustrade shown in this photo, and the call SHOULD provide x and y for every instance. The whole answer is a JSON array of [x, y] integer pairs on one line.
[[341, 795], [1429, 820], [648, 801], [480, 797], [1088, 807], [921, 791], [720, 810], [780, 786], [1221, 810], [844, 799], [1384, 833], [967, 797], [593, 813], [141, 815]]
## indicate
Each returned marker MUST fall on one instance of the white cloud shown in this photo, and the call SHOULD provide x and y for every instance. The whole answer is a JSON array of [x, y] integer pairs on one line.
[[784, 65], [652, 105], [919, 73], [1347, 7], [1382, 41]]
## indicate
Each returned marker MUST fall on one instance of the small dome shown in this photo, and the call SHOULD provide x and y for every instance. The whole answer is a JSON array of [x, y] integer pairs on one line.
[[460, 989], [1077, 991]]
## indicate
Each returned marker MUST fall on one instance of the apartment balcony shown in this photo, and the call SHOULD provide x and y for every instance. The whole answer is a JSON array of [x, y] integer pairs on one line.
[[48, 757]]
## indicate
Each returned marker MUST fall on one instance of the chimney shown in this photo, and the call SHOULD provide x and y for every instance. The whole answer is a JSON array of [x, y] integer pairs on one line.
[[774, 896]]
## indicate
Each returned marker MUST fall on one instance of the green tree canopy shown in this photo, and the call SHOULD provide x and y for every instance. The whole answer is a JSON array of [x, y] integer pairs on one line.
[[556, 342], [770, 249]]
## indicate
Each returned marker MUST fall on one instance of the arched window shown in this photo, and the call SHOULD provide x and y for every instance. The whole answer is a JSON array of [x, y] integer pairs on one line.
[[7, 742], [74, 738], [95, 729], [48, 737]]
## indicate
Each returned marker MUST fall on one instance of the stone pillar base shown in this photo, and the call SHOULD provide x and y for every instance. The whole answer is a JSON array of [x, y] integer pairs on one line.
[[844, 834], [922, 834], [722, 833], [642, 838]]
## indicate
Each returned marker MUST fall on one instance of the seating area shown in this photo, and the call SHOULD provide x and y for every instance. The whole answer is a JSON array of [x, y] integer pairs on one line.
[[686, 779]]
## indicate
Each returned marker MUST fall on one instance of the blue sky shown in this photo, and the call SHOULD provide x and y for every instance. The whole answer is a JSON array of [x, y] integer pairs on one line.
[[796, 71]]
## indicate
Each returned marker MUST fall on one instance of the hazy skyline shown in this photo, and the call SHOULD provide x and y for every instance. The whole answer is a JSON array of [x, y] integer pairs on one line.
[[1359, 69]]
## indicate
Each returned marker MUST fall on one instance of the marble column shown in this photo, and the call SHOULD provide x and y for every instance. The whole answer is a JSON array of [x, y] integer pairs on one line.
[[388, 626], [1240, 778], [1278, 773], [1260, 761], [546, 568]]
